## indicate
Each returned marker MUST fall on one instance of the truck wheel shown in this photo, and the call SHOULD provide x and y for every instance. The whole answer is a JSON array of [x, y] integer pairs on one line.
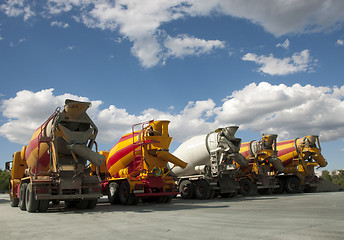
[[125, 197], [113, 193], [292, 185], [30, 201], [280, 188], [202, 189], [43, 205], [92, 203], [186, 189], [22, 193], [14, 201], [247, 187], [81, 204], [227, 195], [265, 191], [55, 202]]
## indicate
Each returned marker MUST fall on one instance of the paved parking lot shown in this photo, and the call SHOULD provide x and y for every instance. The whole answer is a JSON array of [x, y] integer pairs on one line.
[[300, 216]]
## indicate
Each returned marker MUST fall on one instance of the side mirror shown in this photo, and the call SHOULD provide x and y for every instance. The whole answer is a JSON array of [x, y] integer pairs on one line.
[[8, 166]]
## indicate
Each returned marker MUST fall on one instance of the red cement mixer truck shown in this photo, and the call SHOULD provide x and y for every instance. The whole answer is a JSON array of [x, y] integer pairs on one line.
[[136, 169], [211, 168], [54, 165], [299, 157], [263, 166]]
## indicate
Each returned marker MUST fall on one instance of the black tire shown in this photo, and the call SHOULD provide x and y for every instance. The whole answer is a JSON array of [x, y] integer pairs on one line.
[[125, 197], [186, 189], [92, 203], [43, 205], [70, 204], [265, 191], [292, 185], [113, 193], [22, 193], [55, 202], [247, 187], [212, 193], [227, 195], [202, 189], [280, 188], [82, 204], [30, 201], [14, 202]]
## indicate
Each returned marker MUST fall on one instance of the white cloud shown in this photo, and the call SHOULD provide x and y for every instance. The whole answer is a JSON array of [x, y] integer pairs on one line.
[[298, 62], [15, 8], [340, 42], [184, 45], [59, 24], [285, 44], [142, 21], [290, 112]]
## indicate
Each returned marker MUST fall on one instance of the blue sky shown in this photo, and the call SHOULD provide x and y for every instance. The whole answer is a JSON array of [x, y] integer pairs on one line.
[[266, 66]]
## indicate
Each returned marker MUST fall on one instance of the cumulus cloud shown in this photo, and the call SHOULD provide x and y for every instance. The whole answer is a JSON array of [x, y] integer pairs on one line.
[[285, 44], [289, 111], [340, 42], [142, 21], [184, 45], [59, 24], [298, 62]]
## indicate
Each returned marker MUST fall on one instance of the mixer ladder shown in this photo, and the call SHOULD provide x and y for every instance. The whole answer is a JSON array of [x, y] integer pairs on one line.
[[138, 147]]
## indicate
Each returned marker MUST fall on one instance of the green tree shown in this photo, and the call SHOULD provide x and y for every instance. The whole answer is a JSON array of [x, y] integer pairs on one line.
[[326, 175], [4, 180], [339, 178]]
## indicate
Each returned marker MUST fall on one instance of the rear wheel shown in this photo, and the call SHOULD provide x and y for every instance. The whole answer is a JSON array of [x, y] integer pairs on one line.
[[81, 204], [125, 197], [92, 203], [22, 193], [186, 189], [292, 185], [265, 191], [280, 188], [14, 201], [30, 201], [43, 205], [202, 189], [113, 193], [247, 188]]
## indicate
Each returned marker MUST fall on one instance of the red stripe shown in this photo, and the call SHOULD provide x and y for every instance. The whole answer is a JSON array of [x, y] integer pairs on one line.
[[119, 154], [43, 163], [33, 144], [128, 136], [285, 151], [246, 153], [245, 144], [285, 142]]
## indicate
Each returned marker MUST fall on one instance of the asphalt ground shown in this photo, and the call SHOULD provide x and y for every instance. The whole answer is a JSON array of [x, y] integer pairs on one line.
[[299, 216]]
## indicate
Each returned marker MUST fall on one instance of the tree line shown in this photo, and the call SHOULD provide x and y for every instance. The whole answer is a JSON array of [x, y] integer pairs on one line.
[[336, 177]]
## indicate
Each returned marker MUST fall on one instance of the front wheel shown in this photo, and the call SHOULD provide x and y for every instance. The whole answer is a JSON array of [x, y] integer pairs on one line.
[[292, 185], [247, 188]]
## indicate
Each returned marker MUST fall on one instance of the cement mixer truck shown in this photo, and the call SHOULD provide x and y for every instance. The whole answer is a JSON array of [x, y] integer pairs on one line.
[[299, 157], [136, 166], [211, 165], [54, 166], [259, 176]]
